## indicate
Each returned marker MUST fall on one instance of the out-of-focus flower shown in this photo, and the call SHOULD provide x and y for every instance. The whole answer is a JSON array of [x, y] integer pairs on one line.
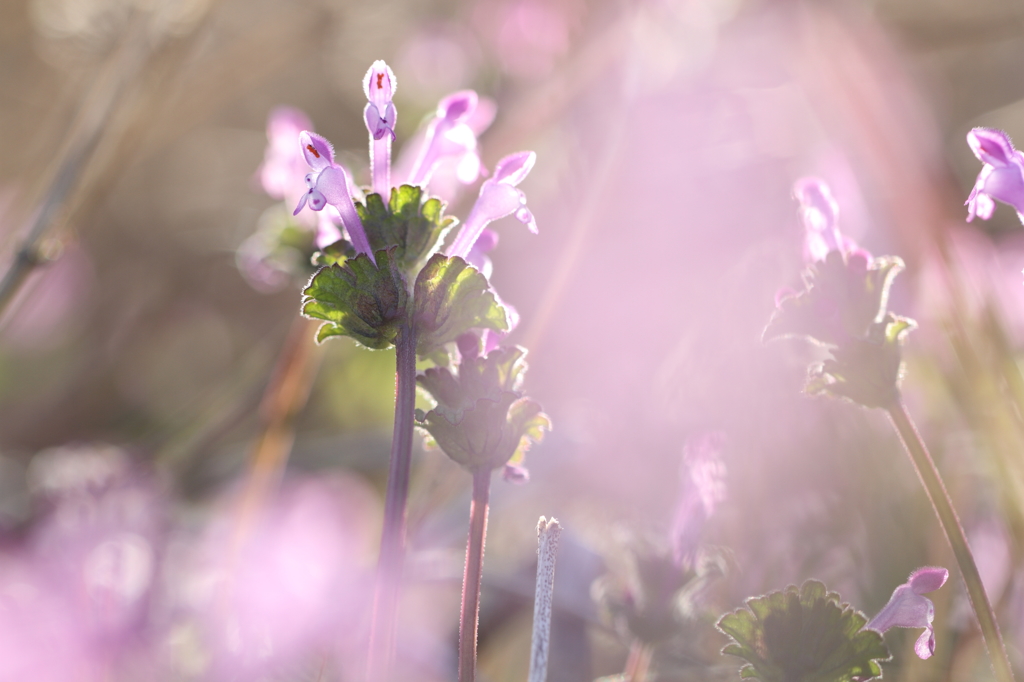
[[74, 597], [380, 115], [295, 582], [820, 214], [1002, 176], [283, 163], [908, 608], [703, 488], [450, 136], [329, 184], [499, 197]]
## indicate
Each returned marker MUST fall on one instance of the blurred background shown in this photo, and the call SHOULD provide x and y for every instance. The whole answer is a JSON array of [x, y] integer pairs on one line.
[[171, 507]]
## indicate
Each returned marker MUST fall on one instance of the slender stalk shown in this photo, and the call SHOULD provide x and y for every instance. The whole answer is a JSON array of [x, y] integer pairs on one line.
[[392, 541], [284, 398], [470, 617], [548, 532], [638, 662], [936, 491]]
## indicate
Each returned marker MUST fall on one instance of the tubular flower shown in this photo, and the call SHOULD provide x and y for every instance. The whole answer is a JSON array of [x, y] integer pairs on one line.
[[1002, 176], [499, 197], [380, 115], [820, 214], [907, 608], [329, 184], [449, 135]]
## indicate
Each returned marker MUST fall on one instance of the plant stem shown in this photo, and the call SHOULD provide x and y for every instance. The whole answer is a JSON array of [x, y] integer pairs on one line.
[[392, 541], [638, 662], [284, 398], [471, 578], [932, 481], [548, 532]]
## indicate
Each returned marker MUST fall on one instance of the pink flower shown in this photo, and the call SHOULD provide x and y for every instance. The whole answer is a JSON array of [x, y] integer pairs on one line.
[[702, 478], [283, 164], [499, 197], [329, 184], [907, 608], [380, 115], [1002, 176], [820, 214], [450, 136]]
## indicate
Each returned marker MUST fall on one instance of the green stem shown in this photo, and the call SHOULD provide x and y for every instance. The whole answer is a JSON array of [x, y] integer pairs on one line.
[[932, 481], [392, 541], [470, 618]]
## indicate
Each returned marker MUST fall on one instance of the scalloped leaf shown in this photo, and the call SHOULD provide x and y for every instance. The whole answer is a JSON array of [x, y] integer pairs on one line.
[[842, 297], [410, 221], [803, 635], [359, 299], [450, 298]]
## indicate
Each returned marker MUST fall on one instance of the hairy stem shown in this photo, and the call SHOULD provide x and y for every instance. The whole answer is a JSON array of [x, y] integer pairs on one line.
[[470, 617], [392, 541], [548, 532], [950, 523]]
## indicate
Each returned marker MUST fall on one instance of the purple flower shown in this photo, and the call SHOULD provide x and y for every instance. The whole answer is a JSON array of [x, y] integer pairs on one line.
[[907, 608], [499, 197], [702, 478], [1002, 176], [820, 214], [450, 136], [329, 184], [283, 164], [380, 114]]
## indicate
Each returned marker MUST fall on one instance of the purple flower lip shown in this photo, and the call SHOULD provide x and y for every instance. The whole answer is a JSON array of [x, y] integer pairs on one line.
[[908, 608], [1001, 177]]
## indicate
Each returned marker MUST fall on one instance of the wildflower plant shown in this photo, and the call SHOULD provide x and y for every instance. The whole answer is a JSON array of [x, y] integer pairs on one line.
[[843, 307], [390, 282]]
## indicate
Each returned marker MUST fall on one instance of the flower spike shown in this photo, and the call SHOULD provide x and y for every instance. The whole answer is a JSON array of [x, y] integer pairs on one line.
[[380, 115], [499, 197], [907, 608], [1002, 176]]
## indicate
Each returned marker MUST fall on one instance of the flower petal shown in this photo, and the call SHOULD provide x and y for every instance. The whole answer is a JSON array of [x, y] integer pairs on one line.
[[991, 145], [928, 579], [925, 645], [514, 168], [379, 84], [458, 106], [318, 151]]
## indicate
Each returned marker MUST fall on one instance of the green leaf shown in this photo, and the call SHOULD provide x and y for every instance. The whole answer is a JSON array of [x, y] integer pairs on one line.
[[410, 221], [842, 297], [865, 371], [334, 254], [803, 635], [450, 298], [359, 299], [481, 420]]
